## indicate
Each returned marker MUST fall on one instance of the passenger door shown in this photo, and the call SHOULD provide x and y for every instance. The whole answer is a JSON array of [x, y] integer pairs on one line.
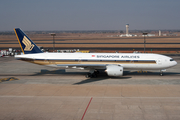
[[159, 61]]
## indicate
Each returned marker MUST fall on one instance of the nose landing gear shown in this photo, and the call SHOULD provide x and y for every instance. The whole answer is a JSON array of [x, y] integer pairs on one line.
[[161, 72]]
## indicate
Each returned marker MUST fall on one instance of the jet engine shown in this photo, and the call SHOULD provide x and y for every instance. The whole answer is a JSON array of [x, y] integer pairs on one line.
[[114, 70]]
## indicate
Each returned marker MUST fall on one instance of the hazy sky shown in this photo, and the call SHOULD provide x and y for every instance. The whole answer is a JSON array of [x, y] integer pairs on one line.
[[89, 14]]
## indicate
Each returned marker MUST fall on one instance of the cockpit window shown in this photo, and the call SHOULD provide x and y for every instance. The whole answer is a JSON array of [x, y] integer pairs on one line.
[[171, 59]]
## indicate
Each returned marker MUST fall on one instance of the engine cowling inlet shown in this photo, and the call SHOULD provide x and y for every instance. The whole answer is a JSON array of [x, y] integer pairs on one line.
[[114, 70]]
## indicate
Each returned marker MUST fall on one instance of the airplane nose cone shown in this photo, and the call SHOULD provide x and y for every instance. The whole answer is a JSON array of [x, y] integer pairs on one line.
[[175, 63]]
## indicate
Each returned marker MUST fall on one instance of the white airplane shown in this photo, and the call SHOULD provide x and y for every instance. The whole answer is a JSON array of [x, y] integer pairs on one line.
[[112, 63]]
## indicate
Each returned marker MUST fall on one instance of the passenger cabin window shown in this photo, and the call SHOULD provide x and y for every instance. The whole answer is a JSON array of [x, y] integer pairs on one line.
[[171, 59]]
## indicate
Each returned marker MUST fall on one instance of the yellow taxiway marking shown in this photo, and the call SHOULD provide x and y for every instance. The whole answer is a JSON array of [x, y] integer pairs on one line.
[[8, 79]]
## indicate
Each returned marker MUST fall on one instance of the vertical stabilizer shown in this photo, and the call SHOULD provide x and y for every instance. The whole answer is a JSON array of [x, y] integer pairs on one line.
[[26, 44]]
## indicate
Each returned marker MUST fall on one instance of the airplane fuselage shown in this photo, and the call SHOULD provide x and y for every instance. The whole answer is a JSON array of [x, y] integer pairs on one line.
[[141, 61]]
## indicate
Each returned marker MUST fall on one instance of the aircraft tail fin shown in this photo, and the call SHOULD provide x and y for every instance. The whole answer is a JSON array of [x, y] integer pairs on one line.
[[26, 44]]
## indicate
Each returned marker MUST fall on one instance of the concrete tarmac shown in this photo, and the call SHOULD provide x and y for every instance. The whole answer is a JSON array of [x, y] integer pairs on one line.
[[33, 92]]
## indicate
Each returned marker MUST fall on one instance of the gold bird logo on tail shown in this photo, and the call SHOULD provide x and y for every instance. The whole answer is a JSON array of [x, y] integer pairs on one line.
[[27, 43]]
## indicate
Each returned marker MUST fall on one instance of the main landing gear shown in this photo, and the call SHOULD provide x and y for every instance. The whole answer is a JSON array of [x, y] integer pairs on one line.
[[92, 74]]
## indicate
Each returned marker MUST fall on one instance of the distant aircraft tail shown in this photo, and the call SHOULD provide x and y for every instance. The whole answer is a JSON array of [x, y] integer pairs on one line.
[[26, 44]]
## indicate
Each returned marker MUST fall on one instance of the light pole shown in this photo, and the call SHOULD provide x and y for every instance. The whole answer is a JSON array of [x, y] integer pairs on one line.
[[144, 40], [53, 34]]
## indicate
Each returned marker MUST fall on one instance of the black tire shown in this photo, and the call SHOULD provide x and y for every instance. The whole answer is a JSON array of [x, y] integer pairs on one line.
[[96, 72], [89, 75], [94, 75]]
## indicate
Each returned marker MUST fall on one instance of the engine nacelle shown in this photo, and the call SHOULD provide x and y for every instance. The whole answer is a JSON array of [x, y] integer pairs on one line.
[[114, 70]]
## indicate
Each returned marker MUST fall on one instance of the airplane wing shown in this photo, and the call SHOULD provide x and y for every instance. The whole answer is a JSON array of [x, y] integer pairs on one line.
[[84, 66]]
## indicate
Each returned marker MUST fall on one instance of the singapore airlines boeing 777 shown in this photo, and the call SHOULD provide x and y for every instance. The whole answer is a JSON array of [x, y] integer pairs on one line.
[[112, 63]]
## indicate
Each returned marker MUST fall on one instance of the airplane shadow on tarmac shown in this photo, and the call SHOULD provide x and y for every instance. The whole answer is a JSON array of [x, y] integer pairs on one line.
[[99, 79], [102, 74], [56, 72], [63, 72]]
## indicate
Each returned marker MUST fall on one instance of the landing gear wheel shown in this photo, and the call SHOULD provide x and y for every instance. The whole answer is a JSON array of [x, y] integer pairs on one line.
[[94, 75], [161, 74], [96, 72], [89, 75]]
